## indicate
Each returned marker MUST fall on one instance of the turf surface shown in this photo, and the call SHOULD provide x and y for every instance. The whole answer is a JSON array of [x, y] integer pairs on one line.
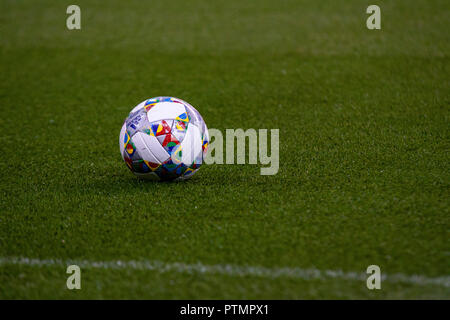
[[364, 145]]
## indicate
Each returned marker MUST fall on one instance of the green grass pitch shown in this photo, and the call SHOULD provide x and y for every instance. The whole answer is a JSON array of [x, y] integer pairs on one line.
[[364, 147]]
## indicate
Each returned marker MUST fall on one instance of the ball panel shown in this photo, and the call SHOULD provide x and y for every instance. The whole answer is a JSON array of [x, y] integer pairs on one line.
[[130, 149], [191, 145], [149, 148], [169, 143], [127, 160], [168, 170], [179, 130], [136, 121], [162, 127], [165, 110]]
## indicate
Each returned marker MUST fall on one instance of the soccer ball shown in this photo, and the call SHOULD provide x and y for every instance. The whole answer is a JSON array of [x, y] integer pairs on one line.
[[164, 138]]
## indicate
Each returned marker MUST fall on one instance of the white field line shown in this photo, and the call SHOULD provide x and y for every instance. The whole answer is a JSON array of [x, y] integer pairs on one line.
[[227, 269]]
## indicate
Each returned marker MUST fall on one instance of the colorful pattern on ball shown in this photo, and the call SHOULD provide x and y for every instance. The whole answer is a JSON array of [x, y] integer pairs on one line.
[[164, 138]]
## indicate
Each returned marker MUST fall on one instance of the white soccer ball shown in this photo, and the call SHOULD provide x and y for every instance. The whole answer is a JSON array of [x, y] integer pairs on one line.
[[164, 138]]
